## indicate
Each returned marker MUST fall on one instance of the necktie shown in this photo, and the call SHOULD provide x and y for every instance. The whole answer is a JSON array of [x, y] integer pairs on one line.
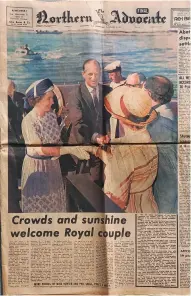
[[95, 100]]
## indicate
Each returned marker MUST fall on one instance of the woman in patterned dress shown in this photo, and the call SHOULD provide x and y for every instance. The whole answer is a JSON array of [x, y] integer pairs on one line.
[[42, 184], [131, 169]]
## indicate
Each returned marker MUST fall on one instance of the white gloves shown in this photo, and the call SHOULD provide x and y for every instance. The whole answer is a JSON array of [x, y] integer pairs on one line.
[[78, 151], [91, 149], [105, 156], [83, 152]]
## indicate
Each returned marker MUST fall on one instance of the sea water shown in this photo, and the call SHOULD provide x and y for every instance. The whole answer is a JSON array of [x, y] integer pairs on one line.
[[63, 55]]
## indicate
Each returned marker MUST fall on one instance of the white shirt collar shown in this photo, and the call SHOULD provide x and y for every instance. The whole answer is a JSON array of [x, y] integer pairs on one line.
[[162, 107], [90, 89], [166, 111], [114, 84]]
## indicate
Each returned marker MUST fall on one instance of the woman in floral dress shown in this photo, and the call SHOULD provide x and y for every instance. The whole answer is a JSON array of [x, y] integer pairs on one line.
[[42, 184]]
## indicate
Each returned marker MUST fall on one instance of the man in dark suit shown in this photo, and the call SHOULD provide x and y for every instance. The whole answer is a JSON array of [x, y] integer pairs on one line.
[[15, 152], [16, 97], [14, 113], [86, 107], [87, 113]]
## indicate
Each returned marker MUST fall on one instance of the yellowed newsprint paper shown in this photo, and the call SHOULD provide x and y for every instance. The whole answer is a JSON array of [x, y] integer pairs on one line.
[[95, 147]]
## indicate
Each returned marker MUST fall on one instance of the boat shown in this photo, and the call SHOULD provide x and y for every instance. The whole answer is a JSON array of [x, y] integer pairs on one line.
[[23, 52], [48, 32]]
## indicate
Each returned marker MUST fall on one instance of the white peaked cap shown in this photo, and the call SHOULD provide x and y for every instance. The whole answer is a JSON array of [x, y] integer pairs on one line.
[[113, 67]]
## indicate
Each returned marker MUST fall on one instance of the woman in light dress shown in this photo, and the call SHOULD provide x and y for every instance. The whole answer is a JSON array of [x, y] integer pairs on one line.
[[131, 164], [42, 186]]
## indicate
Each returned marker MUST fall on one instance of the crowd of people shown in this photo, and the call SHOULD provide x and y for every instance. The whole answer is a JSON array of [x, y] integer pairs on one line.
[[126, 129]]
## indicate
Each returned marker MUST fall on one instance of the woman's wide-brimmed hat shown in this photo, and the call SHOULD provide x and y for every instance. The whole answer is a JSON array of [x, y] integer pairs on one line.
[[130, 105], [39, 88], [58, 95]]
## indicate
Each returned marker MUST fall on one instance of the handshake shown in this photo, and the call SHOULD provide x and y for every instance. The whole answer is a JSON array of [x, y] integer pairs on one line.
[[101, 140], [83, 152]]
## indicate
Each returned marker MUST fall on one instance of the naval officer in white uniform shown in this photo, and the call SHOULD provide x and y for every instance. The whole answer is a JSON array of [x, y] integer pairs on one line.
[[114, 73]]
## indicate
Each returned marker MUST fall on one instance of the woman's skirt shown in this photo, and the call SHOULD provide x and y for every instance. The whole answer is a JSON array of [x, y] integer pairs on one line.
[[42, 186]]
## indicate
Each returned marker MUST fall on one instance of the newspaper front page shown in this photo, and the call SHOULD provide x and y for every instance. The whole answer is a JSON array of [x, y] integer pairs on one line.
[[95, 147]]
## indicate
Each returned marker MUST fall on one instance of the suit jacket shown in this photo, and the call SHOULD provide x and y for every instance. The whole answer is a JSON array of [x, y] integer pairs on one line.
[[85, 120], [15, 119], [19, 101], [163, 132]]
